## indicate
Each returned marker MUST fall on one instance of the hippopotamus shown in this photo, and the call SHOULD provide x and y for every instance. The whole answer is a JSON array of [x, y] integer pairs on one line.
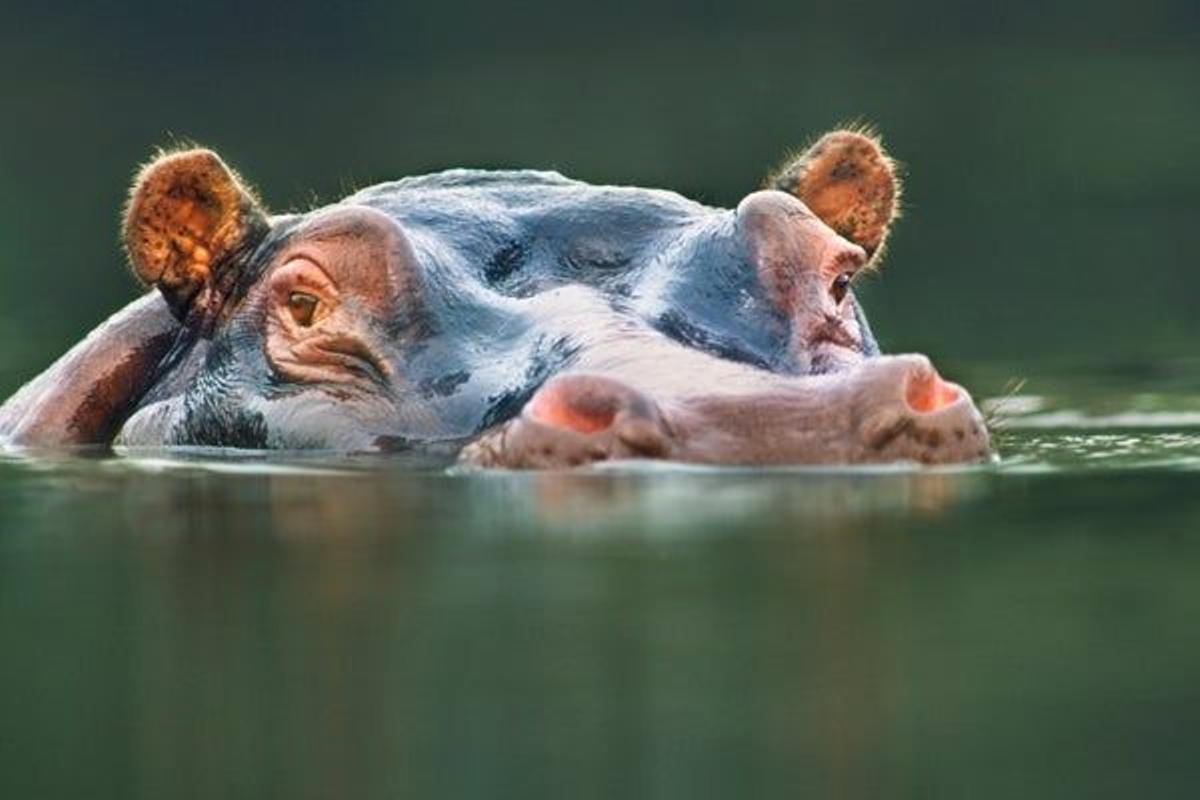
[[521, 319]]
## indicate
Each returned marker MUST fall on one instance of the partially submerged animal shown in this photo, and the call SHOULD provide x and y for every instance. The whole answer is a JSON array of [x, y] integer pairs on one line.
[[533, 320]]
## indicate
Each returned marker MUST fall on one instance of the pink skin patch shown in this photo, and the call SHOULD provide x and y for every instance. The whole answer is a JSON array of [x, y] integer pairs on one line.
[[928, 393], [584, 413]]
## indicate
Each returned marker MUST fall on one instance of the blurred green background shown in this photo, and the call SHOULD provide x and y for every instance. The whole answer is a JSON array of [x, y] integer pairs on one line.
[[1051, 150]]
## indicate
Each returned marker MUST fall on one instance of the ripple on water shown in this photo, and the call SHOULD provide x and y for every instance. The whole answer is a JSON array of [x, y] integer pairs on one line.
[[1032, 434], [1036, 433]]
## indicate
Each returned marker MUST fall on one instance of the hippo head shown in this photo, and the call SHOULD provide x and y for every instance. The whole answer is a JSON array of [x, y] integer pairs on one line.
[[297, 331], [535, 320]]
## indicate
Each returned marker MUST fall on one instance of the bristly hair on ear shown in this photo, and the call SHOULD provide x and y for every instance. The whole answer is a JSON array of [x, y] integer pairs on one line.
[[178, 146], [848, 180], [187, 213]]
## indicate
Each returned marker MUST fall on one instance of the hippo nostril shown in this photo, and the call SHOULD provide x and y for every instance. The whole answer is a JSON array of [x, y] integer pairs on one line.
[[927, 392], [583, 413]]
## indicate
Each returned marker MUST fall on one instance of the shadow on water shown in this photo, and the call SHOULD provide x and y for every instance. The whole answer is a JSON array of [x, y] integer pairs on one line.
[[301, 626]]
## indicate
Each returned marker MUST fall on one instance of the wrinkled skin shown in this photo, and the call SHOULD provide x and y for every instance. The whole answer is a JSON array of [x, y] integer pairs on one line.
[[532, 320]]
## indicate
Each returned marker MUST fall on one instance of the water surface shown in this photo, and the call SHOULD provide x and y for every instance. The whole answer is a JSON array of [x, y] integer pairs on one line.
[[206, 625]]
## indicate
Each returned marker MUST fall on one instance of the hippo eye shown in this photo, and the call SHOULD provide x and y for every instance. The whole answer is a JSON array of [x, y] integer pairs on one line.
[[841, 285], [303, 307]]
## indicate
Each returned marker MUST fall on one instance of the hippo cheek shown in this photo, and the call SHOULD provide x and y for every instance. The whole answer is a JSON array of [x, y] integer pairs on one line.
[[153, 425], [921, 417], [830, 354], [575, 420]]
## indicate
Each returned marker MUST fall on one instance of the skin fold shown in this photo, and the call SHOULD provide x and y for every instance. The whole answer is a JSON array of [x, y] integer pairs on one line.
[[533, 320]]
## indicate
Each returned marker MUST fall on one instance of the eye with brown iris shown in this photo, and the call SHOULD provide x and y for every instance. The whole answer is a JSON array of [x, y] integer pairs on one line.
[[302, 307], [841, 285]]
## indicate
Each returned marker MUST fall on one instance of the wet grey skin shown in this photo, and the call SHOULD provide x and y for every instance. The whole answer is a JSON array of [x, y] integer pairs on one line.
[[502, 287], [520, 275]]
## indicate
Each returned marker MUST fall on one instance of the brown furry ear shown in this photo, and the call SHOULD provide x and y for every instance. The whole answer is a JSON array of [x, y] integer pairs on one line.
[[849, 182], [187, 215]]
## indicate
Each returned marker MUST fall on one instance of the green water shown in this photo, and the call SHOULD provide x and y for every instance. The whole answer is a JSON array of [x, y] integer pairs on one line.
[[209, 626]]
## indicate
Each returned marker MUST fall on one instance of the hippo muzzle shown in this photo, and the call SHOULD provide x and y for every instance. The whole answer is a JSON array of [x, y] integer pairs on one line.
[[888, 409]]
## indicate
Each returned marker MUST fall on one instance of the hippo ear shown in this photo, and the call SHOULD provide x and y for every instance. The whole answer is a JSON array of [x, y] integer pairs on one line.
[[848, 181], [188, 216]]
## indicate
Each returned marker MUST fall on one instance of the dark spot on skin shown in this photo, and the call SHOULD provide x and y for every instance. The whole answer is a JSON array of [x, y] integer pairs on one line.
[[676, 326], [585, 258], [443, 385], [414, 327], [505, 405], [504, 262], [223, 427], [439, 448], [959, 434], [110, 400], [546, 361], [394, 444], [933, 438], [214, 413], [832, 330], [844, 170], [889, 434]]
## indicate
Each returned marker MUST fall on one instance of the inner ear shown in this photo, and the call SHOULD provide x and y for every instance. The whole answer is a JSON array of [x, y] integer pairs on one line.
[[188, 217], [848, 181]]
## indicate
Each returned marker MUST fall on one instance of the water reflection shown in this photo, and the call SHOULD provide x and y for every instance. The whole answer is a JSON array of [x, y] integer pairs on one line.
[[348, 499], [346, 629], [305, 626], [665, 502]]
